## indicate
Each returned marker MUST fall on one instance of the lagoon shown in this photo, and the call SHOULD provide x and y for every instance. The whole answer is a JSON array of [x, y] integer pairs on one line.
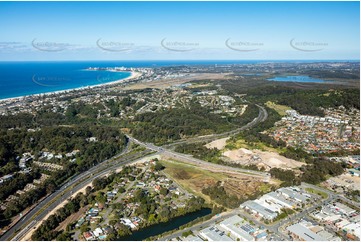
[[296, 79]]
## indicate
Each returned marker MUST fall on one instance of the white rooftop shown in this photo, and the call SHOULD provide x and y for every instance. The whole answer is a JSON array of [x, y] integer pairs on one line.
[[304, 233]]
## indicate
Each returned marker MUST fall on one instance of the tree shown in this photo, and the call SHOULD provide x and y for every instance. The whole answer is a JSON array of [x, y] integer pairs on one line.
[[88, 190], [123, 230], [163, 191], [158, 166], [65, 236], [84, 228]]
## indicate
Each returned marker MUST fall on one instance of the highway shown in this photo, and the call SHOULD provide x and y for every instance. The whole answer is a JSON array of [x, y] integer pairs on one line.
[[79, 181], [191, 160], [262, 116]]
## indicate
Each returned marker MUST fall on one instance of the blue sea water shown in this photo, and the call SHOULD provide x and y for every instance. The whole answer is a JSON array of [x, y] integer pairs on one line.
[[27, 78]]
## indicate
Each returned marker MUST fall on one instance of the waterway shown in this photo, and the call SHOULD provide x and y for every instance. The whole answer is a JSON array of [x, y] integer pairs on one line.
[[296, 79], [160, 228]]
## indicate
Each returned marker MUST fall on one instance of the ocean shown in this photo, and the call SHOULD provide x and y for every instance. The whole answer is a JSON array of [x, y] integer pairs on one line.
[[27, 78]]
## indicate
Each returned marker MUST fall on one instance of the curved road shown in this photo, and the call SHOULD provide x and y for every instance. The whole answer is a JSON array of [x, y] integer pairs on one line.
[[65, 192], [262, 116], [78, 182]]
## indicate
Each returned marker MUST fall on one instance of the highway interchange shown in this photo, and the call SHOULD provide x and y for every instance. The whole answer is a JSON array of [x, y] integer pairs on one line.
[[39, 212]]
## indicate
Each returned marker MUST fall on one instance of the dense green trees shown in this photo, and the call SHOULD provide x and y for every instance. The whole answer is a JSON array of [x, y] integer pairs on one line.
[[18, 182], [46, 230], [172, 124], [198, 150], [57, 140], [319, 170], [218, 194], [287, 176], [314, 172]]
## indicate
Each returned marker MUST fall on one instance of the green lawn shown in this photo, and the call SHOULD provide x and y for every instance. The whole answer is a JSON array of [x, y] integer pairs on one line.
[[317, 192], [280, 109]]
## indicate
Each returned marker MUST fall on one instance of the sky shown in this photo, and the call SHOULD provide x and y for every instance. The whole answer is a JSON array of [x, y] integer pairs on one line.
[[179, 31]]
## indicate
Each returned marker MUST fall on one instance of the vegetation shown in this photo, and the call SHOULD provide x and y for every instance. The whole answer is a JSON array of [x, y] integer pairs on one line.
[[46, 230], [307, 102], [317, 192], [315, 172], [57, 134], [287, 176], [172, 124], [151, 211], [218, 194], [285, 212]]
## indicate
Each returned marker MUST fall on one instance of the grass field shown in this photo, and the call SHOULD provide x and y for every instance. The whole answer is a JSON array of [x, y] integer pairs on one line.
[[190, 177], [317, 192], [241, 143], [194, 179], [280, 109]]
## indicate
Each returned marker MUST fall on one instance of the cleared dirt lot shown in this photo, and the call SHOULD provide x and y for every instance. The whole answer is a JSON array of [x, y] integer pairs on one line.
[[219, 144], [265, 159], [344, 180]]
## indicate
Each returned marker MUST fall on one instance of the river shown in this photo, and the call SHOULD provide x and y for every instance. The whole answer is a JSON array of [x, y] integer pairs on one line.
[[160, 228]]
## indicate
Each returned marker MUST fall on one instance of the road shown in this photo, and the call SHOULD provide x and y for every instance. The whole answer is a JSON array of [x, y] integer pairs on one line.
[[77, 183], [274, 227], [262, 116], [191, 160], [330, 193], [200, 226]]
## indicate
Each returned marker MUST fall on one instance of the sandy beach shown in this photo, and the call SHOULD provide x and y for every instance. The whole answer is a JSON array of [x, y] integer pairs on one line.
[[133, 75]]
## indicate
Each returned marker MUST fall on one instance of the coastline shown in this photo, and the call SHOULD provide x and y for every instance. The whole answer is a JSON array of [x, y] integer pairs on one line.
[[133, 75]]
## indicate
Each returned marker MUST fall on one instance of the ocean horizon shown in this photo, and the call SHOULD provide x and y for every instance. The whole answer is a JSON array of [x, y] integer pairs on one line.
[[23, 78]]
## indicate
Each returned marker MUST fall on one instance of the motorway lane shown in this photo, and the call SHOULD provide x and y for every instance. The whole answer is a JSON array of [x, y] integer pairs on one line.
[[25, 220], [262, 116], [192, 160]]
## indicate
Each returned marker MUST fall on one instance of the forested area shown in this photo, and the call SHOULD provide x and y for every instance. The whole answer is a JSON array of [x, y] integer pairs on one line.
[[149, 210], [47, 232], [309, 101], [315, 172], [173, 124], [18, 182], [58, 134], [219, 195]]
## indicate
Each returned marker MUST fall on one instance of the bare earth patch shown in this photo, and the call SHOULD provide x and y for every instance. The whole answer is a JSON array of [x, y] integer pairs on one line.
[[27, 237], [219, 144], [344, 180], [260, 158]]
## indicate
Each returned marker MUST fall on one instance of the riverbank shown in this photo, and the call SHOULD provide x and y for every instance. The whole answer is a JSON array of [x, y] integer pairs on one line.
[[164, 227]]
